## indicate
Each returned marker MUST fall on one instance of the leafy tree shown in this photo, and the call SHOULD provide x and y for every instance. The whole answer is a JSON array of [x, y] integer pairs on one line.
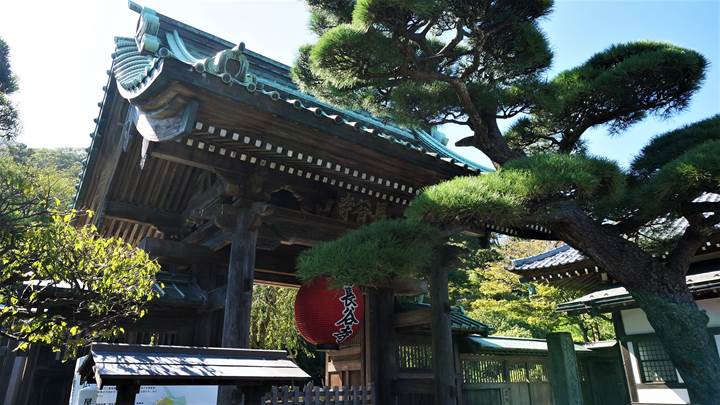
[[273, 327], [272, 319], [8, 84], [495, 296], [430, 62], [60, 285], [57, 167]]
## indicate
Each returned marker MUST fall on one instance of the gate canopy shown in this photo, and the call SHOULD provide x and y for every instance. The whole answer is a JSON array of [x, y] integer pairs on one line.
[[120, 364]]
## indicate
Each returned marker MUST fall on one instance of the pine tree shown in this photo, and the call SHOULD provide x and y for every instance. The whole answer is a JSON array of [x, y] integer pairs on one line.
[[429, 62], [8, 84]]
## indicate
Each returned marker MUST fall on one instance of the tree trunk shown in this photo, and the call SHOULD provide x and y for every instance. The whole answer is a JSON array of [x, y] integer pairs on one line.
[[682, 328], [661, 292], [442, 345]]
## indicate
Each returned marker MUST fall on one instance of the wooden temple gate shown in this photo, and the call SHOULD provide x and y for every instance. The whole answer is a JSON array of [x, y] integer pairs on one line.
[[208, 156]]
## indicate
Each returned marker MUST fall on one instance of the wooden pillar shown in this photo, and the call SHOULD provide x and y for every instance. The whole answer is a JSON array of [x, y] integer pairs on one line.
[[383, 345], [625, 356], [241, 272], [126, 394], [239, 290], [564, 371], [442, 344], [27, 375]]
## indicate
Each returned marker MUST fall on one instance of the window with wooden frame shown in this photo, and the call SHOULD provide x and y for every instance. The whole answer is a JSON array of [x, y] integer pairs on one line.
[[655, 364], [482, 369], [415, 357]]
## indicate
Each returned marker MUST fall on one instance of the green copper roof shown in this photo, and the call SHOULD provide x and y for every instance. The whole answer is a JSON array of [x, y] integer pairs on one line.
[[459, 322], [180, 289], [160, 37]]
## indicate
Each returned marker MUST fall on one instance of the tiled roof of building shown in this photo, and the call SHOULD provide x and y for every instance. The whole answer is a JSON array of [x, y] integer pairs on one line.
[[608, 299], [552, 258], [136, 65]]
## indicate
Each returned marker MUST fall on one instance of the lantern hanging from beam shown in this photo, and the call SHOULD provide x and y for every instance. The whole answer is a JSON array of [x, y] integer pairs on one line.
[[326, 316]]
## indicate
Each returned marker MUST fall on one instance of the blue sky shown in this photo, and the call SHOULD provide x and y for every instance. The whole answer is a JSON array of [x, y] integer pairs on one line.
[[60, 52]]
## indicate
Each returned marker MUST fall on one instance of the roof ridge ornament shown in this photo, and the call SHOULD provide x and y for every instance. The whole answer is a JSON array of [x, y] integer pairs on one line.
[[148, 27], [231, 65]]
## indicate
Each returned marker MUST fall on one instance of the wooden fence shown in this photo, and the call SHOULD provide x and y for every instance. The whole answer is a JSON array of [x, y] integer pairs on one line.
[[310, 395]]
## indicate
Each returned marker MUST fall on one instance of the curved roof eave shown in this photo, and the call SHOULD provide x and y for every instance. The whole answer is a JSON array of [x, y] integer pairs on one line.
[[142, 67]]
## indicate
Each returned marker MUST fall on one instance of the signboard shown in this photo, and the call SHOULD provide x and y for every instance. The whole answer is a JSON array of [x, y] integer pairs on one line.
[[88, 394]]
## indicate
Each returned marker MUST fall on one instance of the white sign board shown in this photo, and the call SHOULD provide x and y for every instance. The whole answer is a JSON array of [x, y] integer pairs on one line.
[[88, 394]]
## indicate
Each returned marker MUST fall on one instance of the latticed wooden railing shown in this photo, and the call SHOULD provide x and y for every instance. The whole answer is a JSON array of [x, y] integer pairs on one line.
[[310, 395]]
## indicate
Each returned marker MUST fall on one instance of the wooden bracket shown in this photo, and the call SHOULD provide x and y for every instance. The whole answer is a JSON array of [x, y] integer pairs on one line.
[[171, 121], [225, 216]]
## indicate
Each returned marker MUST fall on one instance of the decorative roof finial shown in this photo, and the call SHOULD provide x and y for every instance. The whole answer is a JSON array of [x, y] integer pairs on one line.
[[148, 28], [229, 64]]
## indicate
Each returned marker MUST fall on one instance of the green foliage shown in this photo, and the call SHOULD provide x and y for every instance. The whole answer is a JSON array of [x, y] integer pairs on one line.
[[695, 171], [273, 325], [9, 120], [413, 102], [391, 12], [618, 87], [495, 296], [522, 189], [373, 255], [347, 55], [66, 287], [424, 63], [8, 82], [396, 55], [428, 62], [60, 285], [669, 146], [57, 169], [326, 14]]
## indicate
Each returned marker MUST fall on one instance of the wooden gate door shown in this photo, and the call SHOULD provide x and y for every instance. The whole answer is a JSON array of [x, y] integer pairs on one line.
[[494, 380], [483, 396]]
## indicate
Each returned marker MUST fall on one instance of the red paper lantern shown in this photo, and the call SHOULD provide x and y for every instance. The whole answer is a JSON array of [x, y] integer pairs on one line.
[[327, 316]]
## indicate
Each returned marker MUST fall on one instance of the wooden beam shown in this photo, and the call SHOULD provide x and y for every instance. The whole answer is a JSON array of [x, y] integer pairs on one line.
[[126, 393], [301, 228], [409, 319], [234, 169], [216, 296], [138, 213], [282, 226], [178, 153], [180, 252], [173, 120], [110, 165]]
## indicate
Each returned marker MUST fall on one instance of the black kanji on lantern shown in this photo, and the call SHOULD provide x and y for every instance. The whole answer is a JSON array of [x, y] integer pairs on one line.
[[348, 320]]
